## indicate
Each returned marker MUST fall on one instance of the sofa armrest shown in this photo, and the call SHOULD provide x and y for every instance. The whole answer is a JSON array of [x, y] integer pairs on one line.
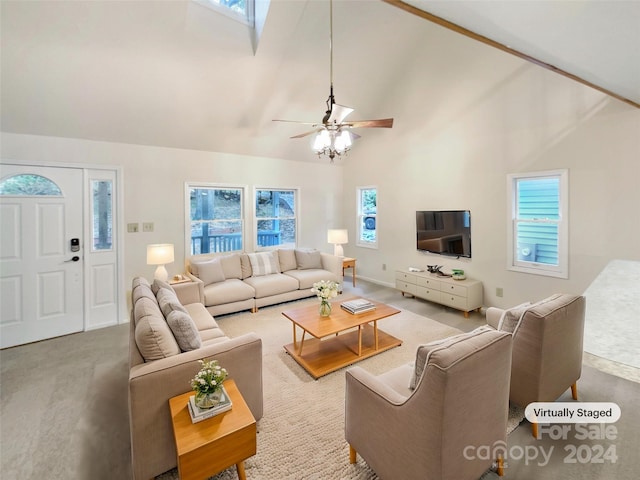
[[493, 316], [152, 384], [189, 292], [200, 290], [333, 264]]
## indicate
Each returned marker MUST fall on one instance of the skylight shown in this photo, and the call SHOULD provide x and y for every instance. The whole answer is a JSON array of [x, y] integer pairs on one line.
[[241, 10]]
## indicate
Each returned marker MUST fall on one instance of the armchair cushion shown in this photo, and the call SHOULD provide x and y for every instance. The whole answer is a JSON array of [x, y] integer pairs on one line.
[[424, 352], [184, 330], [510, 318]]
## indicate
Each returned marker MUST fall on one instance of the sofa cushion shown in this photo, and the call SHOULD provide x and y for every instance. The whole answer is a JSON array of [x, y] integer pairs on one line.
[[306, 278], [424, 351], [201, 316], [152, 333], [308, 258], [511, 318], [245, 266], [229, 291], [211, 272], [264, 263], [184, 330], [168, 302], [287, 259], [141, 288], [274, 284]]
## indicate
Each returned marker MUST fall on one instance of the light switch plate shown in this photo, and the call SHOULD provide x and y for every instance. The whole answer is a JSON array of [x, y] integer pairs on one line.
[[132, 227], [147, 227]]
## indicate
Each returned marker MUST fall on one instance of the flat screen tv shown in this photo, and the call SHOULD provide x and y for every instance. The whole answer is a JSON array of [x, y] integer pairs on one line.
[[445, 232]]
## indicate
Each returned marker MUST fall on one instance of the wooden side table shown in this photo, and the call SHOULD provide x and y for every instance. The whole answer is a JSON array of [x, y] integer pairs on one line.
[[348, 262], [217, 443]]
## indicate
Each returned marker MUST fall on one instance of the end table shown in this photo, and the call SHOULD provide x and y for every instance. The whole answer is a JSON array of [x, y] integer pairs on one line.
[[348, 262], [217, 443]]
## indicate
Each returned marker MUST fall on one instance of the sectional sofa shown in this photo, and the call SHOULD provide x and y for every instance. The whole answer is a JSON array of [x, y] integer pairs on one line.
[[247, 281], [170, 332]]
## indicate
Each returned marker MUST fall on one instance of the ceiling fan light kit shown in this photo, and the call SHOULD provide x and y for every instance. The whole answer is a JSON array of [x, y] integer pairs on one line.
[[333, 137]]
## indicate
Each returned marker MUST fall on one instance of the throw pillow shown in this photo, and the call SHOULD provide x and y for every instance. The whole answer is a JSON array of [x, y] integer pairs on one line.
[[168, 301], [231, 266], [184, 330], [158, 284], [264, 263], [211, 272], [287, 258], [308, 258], [510, 318]]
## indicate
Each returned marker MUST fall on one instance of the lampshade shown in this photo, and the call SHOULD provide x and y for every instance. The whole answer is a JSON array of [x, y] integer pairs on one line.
[[160, 254], [338, 237]]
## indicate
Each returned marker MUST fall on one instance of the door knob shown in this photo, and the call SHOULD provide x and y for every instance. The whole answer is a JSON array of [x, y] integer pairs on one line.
[[73, 259]]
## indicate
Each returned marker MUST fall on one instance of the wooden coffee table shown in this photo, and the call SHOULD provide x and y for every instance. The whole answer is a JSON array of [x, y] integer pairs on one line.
[[217, 443], [340, 339]]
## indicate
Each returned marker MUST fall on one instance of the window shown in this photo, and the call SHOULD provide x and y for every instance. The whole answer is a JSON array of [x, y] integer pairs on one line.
[[241, 10], [215, 215], [101, 208], [276, 218], [28, 185], [538, 238], [367, 217]]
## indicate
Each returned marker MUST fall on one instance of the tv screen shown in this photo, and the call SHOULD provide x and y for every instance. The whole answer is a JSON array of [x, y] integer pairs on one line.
[[446, 232]]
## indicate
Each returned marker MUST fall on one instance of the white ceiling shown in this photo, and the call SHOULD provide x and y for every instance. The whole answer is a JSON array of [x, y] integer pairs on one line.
[[175, 74], [596, 40]]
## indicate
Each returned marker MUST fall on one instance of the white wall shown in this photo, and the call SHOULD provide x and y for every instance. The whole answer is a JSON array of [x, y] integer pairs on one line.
[[461, 131], [154, 180]]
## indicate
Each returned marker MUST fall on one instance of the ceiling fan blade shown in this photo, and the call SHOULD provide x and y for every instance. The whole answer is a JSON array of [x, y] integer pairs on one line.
[[339, 113], [314, 124], [300, 135], [380, 123]]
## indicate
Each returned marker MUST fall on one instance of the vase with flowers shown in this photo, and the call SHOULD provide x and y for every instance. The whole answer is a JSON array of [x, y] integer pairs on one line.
[[208, 384], [325, 289]]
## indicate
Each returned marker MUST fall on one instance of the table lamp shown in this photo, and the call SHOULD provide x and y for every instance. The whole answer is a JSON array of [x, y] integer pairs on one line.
[[160, 254], [338, 237]]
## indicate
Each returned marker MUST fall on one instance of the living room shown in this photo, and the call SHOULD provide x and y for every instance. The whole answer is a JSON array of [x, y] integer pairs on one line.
[[466, 116]]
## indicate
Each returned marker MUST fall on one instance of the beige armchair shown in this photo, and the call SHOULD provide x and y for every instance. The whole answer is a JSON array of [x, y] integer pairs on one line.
[[547, 347], [459, 403]]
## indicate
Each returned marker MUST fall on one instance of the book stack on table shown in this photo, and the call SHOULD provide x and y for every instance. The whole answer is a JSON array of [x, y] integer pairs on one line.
[[359, 305], [198, 414]]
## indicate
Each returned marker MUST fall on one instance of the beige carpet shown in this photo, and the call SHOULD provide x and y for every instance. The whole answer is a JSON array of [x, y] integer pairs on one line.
[[303, 422]]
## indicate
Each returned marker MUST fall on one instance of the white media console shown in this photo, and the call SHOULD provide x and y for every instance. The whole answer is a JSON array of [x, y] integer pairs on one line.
[[465, 295]]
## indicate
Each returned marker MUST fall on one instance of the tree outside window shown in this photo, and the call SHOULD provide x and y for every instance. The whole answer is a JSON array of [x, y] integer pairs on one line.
[[216, 223], [367, 217], [276, 218]]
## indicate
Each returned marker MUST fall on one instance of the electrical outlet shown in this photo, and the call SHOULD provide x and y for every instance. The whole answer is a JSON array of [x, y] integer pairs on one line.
[[132, 227], [147, 227], [499, 292], [384, 266]]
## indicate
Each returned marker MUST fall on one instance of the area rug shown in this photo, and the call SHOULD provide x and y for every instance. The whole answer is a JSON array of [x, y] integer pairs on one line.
[[301, 434]]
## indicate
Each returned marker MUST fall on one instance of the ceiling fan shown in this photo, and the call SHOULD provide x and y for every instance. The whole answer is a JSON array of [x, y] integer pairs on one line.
[[333, 135]]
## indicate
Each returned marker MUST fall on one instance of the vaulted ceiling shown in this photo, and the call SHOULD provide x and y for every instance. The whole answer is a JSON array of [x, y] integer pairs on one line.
[[176, 74]]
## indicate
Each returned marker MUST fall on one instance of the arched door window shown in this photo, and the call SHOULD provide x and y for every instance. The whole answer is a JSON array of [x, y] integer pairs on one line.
[[29, 185]]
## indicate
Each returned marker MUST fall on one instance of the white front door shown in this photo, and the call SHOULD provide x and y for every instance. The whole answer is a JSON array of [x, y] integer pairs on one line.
[[41, 267]]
